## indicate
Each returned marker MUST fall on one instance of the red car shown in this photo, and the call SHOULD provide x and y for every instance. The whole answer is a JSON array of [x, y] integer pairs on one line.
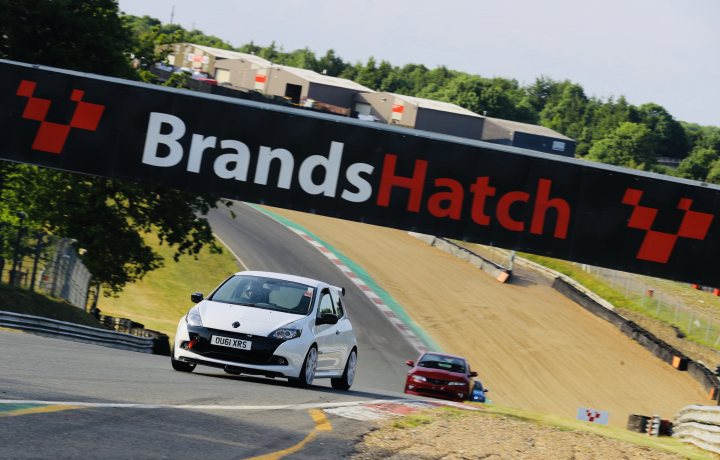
[[439, 375]]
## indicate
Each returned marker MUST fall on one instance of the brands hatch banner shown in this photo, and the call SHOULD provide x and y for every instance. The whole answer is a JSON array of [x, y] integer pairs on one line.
[[361, 171]]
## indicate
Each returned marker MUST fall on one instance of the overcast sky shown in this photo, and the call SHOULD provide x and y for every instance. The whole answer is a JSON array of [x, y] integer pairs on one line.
[[662, 51]]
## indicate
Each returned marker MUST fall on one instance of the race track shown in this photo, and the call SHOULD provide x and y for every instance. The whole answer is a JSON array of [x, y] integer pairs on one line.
[[532, 347]]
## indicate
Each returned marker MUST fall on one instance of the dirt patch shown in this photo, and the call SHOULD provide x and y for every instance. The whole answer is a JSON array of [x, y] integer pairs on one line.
[[532, 347], [480, 436]]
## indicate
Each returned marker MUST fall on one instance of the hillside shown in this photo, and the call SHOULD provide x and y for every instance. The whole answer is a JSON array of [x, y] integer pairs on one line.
[[532, 347], [163, 296]]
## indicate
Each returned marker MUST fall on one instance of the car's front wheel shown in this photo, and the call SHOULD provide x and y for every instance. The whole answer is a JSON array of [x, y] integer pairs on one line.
[[346, 381], [181, 366], [307, 373]]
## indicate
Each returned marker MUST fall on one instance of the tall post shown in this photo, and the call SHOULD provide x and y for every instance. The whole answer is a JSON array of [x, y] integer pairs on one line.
[[38, 251], [17, 263], [2, 249]]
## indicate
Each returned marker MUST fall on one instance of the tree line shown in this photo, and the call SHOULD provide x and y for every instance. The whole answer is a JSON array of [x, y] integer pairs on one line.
[[108, 218]]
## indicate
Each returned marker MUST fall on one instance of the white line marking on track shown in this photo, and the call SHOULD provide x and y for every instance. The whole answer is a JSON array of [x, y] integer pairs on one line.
[[244, 266], [203, 406]]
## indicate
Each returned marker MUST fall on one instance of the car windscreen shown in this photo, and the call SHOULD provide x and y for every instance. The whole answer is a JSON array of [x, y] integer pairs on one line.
[[442, 362], [267, 293]]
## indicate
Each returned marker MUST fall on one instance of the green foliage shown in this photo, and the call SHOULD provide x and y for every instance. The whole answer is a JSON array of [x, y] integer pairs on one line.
[[106, 217], [565, 113], [697, 165], [630, 144], [87, 36], [671, 139]]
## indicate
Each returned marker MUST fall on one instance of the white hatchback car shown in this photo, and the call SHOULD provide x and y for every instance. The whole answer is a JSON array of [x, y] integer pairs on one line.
[[270, 324]]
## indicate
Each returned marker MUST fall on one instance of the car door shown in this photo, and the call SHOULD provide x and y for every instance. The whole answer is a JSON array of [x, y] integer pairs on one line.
[[344, 336], [325, 334]]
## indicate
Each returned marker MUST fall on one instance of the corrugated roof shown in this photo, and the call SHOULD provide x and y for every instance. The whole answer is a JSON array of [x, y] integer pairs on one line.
[[513, 126], [436, 105], [321, 79], [227, 54]]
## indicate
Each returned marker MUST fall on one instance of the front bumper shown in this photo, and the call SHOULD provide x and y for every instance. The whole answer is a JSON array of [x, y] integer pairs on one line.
[[450, 393], [267, 356]]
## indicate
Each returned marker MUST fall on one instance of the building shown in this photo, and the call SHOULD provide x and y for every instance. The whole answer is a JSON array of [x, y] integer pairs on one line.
[[418, 113], [527, 136], [300, 86], [204, 59], [255, 76]]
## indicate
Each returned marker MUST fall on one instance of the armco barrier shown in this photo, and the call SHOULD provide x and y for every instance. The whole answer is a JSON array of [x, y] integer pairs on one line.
[[699, 425], [54, 328], [497, 271], [656, 346]]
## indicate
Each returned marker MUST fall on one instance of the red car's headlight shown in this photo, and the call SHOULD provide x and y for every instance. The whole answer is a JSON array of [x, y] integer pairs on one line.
[[457, 384], [418, 378]]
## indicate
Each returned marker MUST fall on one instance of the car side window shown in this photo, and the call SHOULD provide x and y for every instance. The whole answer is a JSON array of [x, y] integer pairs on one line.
[[339, 308], [326, 303]]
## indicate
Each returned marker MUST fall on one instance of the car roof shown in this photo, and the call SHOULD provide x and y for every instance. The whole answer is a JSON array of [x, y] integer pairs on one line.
[[287, 277], [445, 355]]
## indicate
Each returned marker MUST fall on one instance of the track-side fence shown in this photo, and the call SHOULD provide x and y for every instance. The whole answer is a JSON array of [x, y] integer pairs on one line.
[[43, 263]]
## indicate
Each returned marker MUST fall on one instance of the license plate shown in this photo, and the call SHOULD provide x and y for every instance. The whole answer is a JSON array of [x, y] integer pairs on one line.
[[230, 342]]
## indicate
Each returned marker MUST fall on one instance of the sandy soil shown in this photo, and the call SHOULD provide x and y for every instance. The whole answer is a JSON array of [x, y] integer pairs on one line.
[[532, 347], [479, 436]]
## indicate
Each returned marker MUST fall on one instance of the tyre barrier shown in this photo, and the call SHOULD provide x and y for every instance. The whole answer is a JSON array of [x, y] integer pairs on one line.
[[699, 425], [652, 425], [656, 346], [152, 342]]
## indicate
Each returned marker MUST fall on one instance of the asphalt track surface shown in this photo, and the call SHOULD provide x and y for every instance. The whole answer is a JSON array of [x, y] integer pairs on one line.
[[62, 399]]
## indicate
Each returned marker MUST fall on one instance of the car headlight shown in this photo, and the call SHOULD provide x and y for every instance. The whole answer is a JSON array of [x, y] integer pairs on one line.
[[287, 332], [193, 317], [457, 384], [418, 378]]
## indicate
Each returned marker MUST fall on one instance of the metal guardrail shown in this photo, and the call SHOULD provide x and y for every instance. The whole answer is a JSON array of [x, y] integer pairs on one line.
[[77, 332], [699, 425]]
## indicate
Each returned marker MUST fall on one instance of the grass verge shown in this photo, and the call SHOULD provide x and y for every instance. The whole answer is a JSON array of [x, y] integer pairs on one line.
[[163, 295], [699, 321], [31, 303]]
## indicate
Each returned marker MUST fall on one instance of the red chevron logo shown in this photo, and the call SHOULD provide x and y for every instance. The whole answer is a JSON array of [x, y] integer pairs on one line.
[[51, 137], [658, 246]]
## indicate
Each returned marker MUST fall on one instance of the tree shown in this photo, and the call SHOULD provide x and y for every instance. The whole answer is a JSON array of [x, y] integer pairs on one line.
[[66, 33], [714, 173], [331, 64], [672, 141], [697, 165], [106, 217], [566, 113], [630, 144]]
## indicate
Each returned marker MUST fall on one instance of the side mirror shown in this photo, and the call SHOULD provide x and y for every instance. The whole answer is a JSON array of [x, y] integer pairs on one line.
[[327, 318], [473, 374], [410, 362], [196, 297]]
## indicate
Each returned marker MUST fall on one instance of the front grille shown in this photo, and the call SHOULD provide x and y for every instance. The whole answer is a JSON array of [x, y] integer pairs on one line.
[[261, 352], [437, 381]]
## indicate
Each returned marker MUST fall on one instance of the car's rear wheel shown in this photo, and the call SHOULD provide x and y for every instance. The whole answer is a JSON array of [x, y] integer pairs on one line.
[[307, 373], [181, 366], [346, 381]]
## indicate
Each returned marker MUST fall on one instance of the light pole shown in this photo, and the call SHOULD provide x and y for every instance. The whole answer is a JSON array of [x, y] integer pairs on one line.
[[14, 275]]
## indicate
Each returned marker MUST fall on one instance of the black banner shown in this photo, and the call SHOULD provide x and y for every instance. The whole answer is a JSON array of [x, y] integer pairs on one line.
[[361, 171]]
